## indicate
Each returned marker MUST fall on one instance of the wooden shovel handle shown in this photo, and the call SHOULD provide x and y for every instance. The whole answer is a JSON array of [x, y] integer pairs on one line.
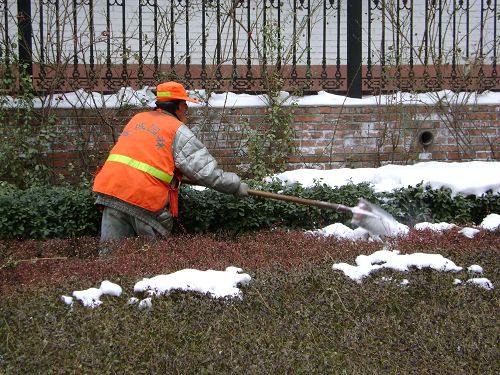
[[289, 198], [304, 201]]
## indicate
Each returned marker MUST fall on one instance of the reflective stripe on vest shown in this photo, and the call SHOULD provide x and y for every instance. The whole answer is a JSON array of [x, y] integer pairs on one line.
[[141, 166]]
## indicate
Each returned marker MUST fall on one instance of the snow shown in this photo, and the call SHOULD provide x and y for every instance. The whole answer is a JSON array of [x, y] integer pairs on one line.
[[437, 227], [469, 232], [385, 259], [474, 268], [144, 97], [342, 231], [468, 178], [217, 284], [475, 177], [92, 297], [481, 282], [491, 222]]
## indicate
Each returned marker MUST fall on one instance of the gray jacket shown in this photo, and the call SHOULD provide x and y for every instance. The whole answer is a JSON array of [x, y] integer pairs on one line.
[[196, 163]]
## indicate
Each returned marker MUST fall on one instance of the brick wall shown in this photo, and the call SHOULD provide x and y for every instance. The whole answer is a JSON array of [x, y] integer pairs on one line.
[[326, 137]]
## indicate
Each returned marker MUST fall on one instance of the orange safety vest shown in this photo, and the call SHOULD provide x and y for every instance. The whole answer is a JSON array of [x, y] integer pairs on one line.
[[140, 168]]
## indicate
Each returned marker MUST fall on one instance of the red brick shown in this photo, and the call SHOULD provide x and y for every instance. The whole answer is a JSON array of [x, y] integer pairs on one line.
[[308, 119]]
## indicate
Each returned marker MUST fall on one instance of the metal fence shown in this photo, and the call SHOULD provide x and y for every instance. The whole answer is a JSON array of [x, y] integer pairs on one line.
[[353, 46]]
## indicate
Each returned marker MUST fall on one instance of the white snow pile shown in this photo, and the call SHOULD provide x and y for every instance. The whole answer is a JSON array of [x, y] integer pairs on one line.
[[475, 177], [490, 223], [92, 297], [482, 282], [475, 269], [341, 231], [436, 227], [393, 260], [216, 284], [145, 97]]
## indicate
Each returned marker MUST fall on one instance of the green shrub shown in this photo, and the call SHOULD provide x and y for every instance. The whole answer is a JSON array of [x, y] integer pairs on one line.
[[64, 211], [47, 212], [412, 205]]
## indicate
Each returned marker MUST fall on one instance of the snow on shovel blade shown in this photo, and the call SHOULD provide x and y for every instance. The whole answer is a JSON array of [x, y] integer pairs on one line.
[[375, 220]]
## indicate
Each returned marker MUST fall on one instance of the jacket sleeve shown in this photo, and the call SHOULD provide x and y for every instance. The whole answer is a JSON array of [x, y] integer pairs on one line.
[[196, 163]]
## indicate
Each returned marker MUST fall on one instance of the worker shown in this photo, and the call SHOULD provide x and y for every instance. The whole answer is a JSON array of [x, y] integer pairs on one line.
[[138, 185]]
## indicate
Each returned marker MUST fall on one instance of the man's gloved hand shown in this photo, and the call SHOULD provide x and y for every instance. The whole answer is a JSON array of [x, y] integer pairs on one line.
[[242, 190]]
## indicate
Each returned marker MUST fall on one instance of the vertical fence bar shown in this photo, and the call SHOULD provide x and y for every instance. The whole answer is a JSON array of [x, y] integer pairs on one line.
[[411, 73], [354, 48], [156, 63], [172, 36], [42, 74], [426, 75], [58, 33], [279, 57], [218, 73], [467, 32], [234, 42], [369, 75], [324, 76], [249, 75], [454, 74], [308, 45], [264, 38], [109, 74], [398, 28], [440, 41], [494, 62], [237, 80], [125, 50], [294, 74], [140, 72], [485, 82], [328, 83], [187, 74], [91, 74], [338, 74], [25, 31], [382, 41], [4, 53], [203, 74], [76, 74], [481, 75]]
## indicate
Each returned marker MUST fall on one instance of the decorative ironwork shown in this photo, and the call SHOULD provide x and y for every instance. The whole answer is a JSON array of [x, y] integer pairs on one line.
[[221, 44]]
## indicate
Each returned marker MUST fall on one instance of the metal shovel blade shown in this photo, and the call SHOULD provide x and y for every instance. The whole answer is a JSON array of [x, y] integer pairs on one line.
[[374, 219], [365, 215]]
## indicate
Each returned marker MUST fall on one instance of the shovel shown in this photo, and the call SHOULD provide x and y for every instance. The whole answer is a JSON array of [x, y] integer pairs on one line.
[[365, 215]]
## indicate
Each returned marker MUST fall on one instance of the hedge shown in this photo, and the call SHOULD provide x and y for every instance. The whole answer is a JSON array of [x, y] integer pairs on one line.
[[42, 212]]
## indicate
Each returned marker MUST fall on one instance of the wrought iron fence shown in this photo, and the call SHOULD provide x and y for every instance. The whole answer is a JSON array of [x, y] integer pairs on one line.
[[353, 46]]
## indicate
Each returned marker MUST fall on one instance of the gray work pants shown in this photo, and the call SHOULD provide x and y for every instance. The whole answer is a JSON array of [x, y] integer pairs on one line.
[[117, 224]]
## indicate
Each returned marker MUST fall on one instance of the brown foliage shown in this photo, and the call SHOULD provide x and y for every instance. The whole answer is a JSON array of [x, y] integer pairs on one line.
[[26, 265]]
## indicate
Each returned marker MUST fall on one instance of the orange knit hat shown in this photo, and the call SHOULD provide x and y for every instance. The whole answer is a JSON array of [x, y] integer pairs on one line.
[[168, 91]]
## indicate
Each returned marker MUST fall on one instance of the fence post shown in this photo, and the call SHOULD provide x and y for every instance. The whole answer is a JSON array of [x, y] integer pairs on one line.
[[25, 32], [354, 48]]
